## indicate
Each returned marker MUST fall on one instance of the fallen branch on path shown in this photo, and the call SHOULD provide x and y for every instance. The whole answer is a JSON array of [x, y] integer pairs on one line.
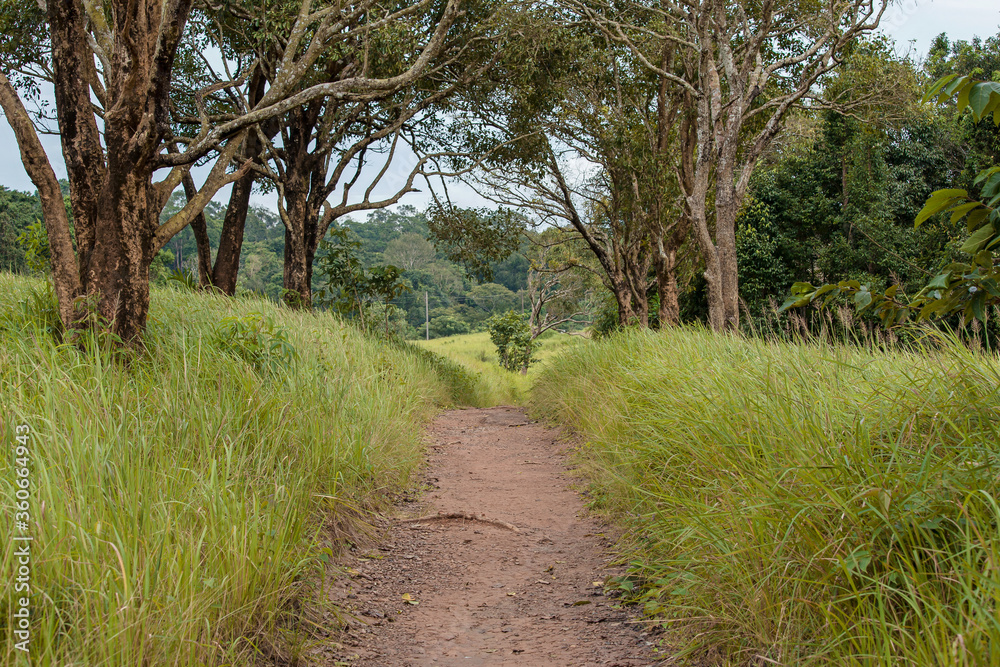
[[442, 516]]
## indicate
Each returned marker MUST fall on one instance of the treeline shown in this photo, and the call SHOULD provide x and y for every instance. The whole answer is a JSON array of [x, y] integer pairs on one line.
[[399, 237], [836, 197], [839, 200], [691, 167], [455, 302]]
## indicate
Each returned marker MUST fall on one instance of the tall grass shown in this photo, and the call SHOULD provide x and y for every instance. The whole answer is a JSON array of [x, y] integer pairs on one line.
[[796, 504], [495, 385], [186, 501]]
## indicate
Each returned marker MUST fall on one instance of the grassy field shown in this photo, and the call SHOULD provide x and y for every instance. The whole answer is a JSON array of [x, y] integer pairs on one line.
[[185, 502], [796, 504], [479, 355]]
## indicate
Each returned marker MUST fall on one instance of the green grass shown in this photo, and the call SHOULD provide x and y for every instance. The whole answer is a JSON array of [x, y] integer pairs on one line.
[[796, 504], [186, 502], [497, 386]]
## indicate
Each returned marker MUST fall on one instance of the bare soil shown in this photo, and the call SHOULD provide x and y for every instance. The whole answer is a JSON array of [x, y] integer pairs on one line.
[[521, 583]]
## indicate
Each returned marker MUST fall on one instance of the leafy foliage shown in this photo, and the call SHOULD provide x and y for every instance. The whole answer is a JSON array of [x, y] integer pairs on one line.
[[258, 341], [966, 288], [184, 279], [34, 242], [512, 336], [18, 211], [476, 238], [348, 286]]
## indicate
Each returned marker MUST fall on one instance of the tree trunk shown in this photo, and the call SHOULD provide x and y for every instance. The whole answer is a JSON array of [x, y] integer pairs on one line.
[[669, 312], [623, 297], [65, 272], [297, 274], [297, 293], [727, 205], [227, 257], [641, 311], [117, 273]]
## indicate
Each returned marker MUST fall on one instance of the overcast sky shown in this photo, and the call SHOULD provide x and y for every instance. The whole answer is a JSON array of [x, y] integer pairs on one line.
[[912, 23]]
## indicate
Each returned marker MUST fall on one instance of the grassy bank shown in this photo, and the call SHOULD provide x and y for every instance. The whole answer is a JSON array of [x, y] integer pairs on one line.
[[496, 386], [796, 504], [183, 505]]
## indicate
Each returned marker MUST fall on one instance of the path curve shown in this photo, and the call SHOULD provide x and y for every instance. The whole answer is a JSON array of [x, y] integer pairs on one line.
[[479, 592]]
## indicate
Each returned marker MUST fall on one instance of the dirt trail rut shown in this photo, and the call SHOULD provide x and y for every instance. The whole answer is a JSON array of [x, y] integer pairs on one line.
[[486, 594]]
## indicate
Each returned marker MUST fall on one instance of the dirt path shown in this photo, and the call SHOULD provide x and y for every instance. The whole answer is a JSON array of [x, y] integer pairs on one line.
[[483, 593]]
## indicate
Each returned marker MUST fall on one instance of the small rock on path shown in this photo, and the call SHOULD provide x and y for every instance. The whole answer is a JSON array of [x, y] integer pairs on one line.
[[483, 593]]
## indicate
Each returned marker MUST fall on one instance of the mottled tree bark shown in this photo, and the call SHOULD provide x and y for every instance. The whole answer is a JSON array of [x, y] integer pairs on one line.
[[115, 205], [227, 258], [66, 275], [669, 311]]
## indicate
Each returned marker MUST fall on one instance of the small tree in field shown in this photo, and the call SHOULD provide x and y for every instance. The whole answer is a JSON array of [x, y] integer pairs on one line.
[[512, 336]]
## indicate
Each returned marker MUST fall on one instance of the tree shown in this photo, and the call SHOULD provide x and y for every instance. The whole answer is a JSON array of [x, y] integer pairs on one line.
[[348, 286], [491, 297], [327, 144], [112, 67], [510, 333], [557, 286], [966, 288], [740, 68], [475, 238], [411, 252], [569, 136], [18, 211], [386, 283]]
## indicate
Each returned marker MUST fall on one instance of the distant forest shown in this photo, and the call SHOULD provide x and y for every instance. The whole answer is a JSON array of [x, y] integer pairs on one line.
[[457, 303]]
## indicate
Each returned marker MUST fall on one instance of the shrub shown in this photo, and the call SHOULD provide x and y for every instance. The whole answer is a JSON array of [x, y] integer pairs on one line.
[[256, 340], [512, 336]]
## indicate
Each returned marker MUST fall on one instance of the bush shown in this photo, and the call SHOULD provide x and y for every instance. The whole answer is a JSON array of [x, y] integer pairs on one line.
[[448, 325], [256, 340], [511, 334]]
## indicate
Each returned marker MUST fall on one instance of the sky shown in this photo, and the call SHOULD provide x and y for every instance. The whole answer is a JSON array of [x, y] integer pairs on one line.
[[913, 24]]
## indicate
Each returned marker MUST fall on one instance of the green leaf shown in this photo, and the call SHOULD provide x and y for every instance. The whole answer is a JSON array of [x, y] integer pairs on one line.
[[953, 87], [821, 291], [964, 92], [938, 201], [980, 97], [959, 212], [976, 218], [863, 299], [938, 85], [793, 302], [992, 184], [992, 287], [978, 305], [939, 281], [984, 174], [978, 239]]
